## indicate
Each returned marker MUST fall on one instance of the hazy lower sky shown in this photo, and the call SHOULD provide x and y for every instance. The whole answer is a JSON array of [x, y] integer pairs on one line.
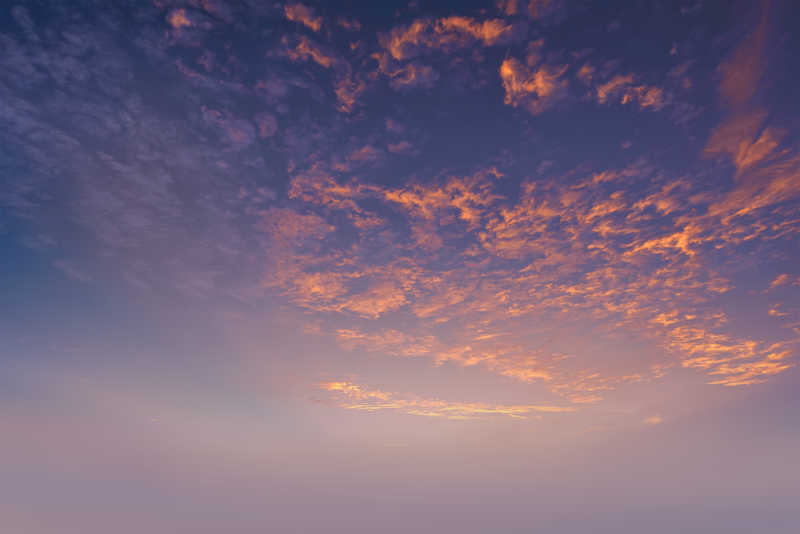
[[354, 267]]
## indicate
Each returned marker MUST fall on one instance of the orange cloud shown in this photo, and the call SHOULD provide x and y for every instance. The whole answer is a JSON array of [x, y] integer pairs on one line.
[[348, 24], [613, 86], [487, 32], [754, 372], [767, 173], [347, 85], [738, 361], [307, 49], [767, 179], [535, 89], [177, 19], [445, 34], [745, 139], [289, 226], [304, 15], [743, 70], [412, 75], [466, 270], [509, 7], [406, 76], [784, 279], [403, 42], [388, 341], [400, 147], [586, 74], [352, 396], [626, 90], [376, 300], [348, 89]]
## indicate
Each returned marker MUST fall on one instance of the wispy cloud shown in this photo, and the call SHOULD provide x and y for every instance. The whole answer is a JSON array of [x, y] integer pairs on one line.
[[533, 86], [304, 15], [351, 396]]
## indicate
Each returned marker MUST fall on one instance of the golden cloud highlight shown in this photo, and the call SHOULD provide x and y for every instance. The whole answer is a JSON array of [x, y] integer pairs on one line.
[[351, 396], [304, 15], [445, 34], [535, 89], [178, 19], [467, 268], [626, 90]]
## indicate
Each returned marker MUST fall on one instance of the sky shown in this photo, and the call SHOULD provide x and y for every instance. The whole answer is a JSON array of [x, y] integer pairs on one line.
[[432, 267]]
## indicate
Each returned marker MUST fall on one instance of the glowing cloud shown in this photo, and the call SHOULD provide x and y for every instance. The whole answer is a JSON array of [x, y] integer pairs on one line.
[[304, 15], [535, 89], [352, 396], [178, 19], [627, 91]]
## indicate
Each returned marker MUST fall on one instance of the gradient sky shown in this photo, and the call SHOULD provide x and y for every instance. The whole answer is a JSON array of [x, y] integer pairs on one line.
[[358, 267]]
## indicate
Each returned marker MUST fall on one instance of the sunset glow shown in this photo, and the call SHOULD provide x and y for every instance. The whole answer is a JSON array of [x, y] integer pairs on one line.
[[443, 267]]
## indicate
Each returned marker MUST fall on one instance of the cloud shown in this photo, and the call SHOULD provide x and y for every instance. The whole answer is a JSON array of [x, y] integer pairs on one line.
[[784, 279], [742, 71], [304, 15], [625, 247], [366, 155], [177, 19], [413, 75], [348, 24], [508, 7], [625, 90], [349, 88], [753, 372], [538, 10], [767, 169], [306, 49], [402, 46], [348, 85], [541, 9], [238, 133], [738, 362], [388, 341], [534, 85], [401, 147], [447, 34], [351, 396], [406, 76], [766, 174], [744, 139], [376, 300], [488, 32]]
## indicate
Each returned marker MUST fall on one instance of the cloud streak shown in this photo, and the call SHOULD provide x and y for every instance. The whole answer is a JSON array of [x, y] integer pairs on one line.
[[351, 396]]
